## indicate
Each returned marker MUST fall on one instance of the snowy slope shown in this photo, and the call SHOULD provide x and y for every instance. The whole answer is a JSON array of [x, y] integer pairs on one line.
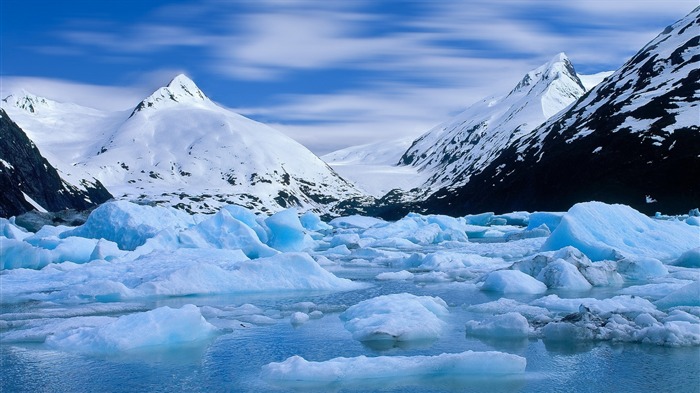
[[372, 167], [633, 139], [466, 144], [177, 147], [65, 133]]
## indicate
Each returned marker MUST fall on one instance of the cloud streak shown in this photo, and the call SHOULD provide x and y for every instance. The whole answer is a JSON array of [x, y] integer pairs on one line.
[[397, 67]]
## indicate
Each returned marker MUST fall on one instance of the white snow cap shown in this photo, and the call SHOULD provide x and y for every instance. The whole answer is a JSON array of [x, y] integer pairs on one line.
[[180, 89]]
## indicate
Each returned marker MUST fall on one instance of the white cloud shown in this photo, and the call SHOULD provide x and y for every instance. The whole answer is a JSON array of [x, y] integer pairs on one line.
[[93, 96], [416, 69]]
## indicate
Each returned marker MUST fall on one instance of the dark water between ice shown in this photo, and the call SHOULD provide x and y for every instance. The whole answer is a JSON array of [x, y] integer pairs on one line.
[[232, 361]]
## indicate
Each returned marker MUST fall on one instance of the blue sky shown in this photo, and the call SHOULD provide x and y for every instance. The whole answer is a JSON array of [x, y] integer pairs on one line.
[[329, 73]]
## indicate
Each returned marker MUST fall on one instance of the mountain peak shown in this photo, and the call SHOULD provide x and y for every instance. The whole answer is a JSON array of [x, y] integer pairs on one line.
[[181, 89], [26, 101], [186, 87], [557, 67]]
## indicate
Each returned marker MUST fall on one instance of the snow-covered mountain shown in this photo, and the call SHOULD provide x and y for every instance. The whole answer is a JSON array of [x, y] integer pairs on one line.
[[29, 182], [633, 139], [179, 148], [454, 151]]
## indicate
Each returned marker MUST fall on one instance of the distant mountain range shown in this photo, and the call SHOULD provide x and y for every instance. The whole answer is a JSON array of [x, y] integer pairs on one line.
[[634, 139], [178, 148]]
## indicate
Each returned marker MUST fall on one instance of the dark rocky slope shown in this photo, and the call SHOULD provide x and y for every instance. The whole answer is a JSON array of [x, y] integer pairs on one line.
[[23, 171]]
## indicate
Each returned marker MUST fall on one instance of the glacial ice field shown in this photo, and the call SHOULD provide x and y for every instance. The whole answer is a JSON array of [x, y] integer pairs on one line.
[[144, 298]]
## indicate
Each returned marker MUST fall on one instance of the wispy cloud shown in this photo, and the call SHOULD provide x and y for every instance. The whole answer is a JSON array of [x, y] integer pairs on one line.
[[399, 67], [93, 96]]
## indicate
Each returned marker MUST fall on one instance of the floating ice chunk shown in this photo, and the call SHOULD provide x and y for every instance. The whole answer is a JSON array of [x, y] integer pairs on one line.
[[549, 219], [341, 369], [679, 315], [181, 272], [249, 218], [107, 250], [12, 231], [587, 324], [421, 229], [298, 318], [46, 232], [509, 325], [618, 305], [645, 320], [603, 231], [475, 231], [596, 273], [286, 231], [690, 258], [129, 225], [449, 260], [338, 250], [359, 222], [481, 219], [396, 317], [350, 240], [394, 242], [654, 291], [563, 275], [16, 254], [641, 268], [388, 276], [162, 327], [224, 231], [403, 228], [540, 231], [218, 273], [316, 314], [312, 222], [520, 219], [688, 295], [504, 305], [385, 257], [512, 281]]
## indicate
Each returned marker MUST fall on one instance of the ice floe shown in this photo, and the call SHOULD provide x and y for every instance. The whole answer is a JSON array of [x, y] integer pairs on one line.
[[298, 369], [396, 317]]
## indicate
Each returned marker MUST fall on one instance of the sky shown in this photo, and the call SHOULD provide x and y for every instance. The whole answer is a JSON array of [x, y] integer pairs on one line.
[[330, 74]]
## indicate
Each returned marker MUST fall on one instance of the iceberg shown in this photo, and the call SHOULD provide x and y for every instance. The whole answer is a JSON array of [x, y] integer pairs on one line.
[[396, 317], [512, 281], [223, 231], [286, 231], [604, 232], [128, 224], [163, 327], [508, 325], [342, 369], [690, 258]]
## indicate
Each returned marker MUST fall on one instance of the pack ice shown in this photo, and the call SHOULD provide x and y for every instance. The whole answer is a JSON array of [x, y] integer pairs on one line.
[[596, 272]]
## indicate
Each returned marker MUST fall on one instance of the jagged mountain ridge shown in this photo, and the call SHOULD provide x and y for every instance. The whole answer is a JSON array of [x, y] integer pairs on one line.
[[177, 147], [29, 182], [633, 139], [464, 145]]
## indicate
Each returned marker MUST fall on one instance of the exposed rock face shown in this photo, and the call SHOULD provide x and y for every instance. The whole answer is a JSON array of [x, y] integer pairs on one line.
[[29, 182]]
